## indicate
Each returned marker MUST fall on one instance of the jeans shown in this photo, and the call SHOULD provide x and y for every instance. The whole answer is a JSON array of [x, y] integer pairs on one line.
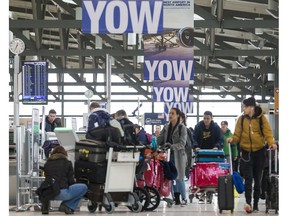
[[72, 195], [180, 188], [252, 164]]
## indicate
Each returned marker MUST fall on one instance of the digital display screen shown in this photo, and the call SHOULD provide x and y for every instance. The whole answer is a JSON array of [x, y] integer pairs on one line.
[[34, 82]]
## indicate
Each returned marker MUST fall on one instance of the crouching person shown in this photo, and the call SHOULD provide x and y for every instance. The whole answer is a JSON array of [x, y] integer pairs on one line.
[[58, 167]]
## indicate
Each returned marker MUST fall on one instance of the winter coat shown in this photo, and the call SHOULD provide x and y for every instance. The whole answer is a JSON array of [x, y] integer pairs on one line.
[[98, 117], [234, 149], [60, 168], [250, 136], [178, 146], [49, 127], [141, 137], [216, 136]]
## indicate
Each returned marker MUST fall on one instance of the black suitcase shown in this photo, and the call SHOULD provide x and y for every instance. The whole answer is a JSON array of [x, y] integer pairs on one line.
[[91, 150], [272, 192], [105, 134], [226, 190], [225, 193], [90, 172]]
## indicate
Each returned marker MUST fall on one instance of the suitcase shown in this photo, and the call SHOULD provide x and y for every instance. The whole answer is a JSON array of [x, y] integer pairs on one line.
[[105, 134], [225, 193], [209, 155], [272, 193], [226, 190], [90, 150], [90, 172]]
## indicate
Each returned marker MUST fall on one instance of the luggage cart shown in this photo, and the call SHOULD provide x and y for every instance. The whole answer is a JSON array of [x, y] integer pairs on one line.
[[118, 188], [152, 186], [204, 176]]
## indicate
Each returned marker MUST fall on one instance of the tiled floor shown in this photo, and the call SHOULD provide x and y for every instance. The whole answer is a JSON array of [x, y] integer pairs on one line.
[[195, 208]]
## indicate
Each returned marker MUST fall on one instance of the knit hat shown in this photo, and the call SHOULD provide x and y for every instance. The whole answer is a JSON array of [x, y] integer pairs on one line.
[[249, 102]]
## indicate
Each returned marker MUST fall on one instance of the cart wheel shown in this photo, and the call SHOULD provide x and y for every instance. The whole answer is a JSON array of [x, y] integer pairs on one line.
[[92, 206], [136, 207], [110, 208], [209, 198], [232, 210], [108, 203], [144, 197], [154, 198], [220, 211], [191, 196]]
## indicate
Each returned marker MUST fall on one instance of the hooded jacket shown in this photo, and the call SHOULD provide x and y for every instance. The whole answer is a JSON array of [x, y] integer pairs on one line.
[[250, 136], [216, 136], [98, 117], [61, 169]]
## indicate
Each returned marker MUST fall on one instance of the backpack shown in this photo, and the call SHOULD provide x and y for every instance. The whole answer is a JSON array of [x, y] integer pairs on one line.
[[129, 132], [188, 146], [48, 145], [149, 138]]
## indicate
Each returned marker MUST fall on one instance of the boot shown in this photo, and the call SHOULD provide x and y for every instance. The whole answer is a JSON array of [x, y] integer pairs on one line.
[[177, 198], [45, 207]]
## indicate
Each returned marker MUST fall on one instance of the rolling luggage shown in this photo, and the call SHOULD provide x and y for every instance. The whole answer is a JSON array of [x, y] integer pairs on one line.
[[226, 190], [91, 150], [90, 172], [272, 193], [209, 155]]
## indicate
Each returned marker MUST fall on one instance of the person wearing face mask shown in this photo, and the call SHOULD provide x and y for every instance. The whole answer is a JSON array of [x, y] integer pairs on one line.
[[207, 134], [252, 140]]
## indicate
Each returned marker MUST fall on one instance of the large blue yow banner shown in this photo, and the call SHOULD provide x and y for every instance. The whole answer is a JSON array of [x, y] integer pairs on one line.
[[122, 16]]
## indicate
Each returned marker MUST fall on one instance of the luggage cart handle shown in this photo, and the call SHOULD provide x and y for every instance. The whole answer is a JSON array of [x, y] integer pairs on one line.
[[270, 160], [230, 156]]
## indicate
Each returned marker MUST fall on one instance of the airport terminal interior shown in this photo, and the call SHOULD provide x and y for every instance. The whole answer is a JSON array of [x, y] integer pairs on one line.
[[234, 47]]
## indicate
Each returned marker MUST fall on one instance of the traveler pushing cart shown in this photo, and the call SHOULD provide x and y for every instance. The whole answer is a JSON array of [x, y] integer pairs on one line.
[[208, 166]]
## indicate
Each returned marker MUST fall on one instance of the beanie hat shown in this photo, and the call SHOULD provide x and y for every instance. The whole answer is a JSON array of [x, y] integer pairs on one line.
[[249, 102]]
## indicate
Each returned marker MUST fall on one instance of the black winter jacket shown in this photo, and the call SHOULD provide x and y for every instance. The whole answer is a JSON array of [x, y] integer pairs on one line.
[[61, 169]]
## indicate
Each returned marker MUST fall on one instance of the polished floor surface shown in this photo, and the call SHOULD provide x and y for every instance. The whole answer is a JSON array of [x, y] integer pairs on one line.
[[195, 208]]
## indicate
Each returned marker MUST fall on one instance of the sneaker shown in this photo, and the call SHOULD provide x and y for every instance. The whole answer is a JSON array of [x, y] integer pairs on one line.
[[184, 202], [247, 208]]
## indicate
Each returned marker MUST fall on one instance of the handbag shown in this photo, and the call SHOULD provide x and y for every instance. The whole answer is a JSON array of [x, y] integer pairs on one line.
[[48, 189]]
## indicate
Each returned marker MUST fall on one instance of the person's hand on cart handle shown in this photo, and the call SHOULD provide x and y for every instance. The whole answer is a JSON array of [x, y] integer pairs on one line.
[[273, 146], [196, 149], [229, 140], [167, 146]]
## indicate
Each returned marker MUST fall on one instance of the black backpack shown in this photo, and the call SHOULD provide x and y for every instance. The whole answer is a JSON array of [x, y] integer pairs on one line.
[[188, 146]]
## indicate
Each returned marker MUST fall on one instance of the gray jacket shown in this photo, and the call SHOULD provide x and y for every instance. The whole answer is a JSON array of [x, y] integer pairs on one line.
[[178, 145]]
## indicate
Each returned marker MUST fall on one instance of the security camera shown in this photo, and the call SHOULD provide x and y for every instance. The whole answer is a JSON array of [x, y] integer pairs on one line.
[[185, 37]]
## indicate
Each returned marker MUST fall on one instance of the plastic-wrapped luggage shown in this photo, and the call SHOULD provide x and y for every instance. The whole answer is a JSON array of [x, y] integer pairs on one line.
[[206, 174]]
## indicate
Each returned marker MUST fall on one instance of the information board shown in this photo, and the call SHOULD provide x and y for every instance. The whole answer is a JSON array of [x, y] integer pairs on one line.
[[34, 82]]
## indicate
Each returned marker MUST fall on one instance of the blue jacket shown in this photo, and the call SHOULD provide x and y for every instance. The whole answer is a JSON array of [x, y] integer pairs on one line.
[[141, 137], [99, 116], [216, 136]]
